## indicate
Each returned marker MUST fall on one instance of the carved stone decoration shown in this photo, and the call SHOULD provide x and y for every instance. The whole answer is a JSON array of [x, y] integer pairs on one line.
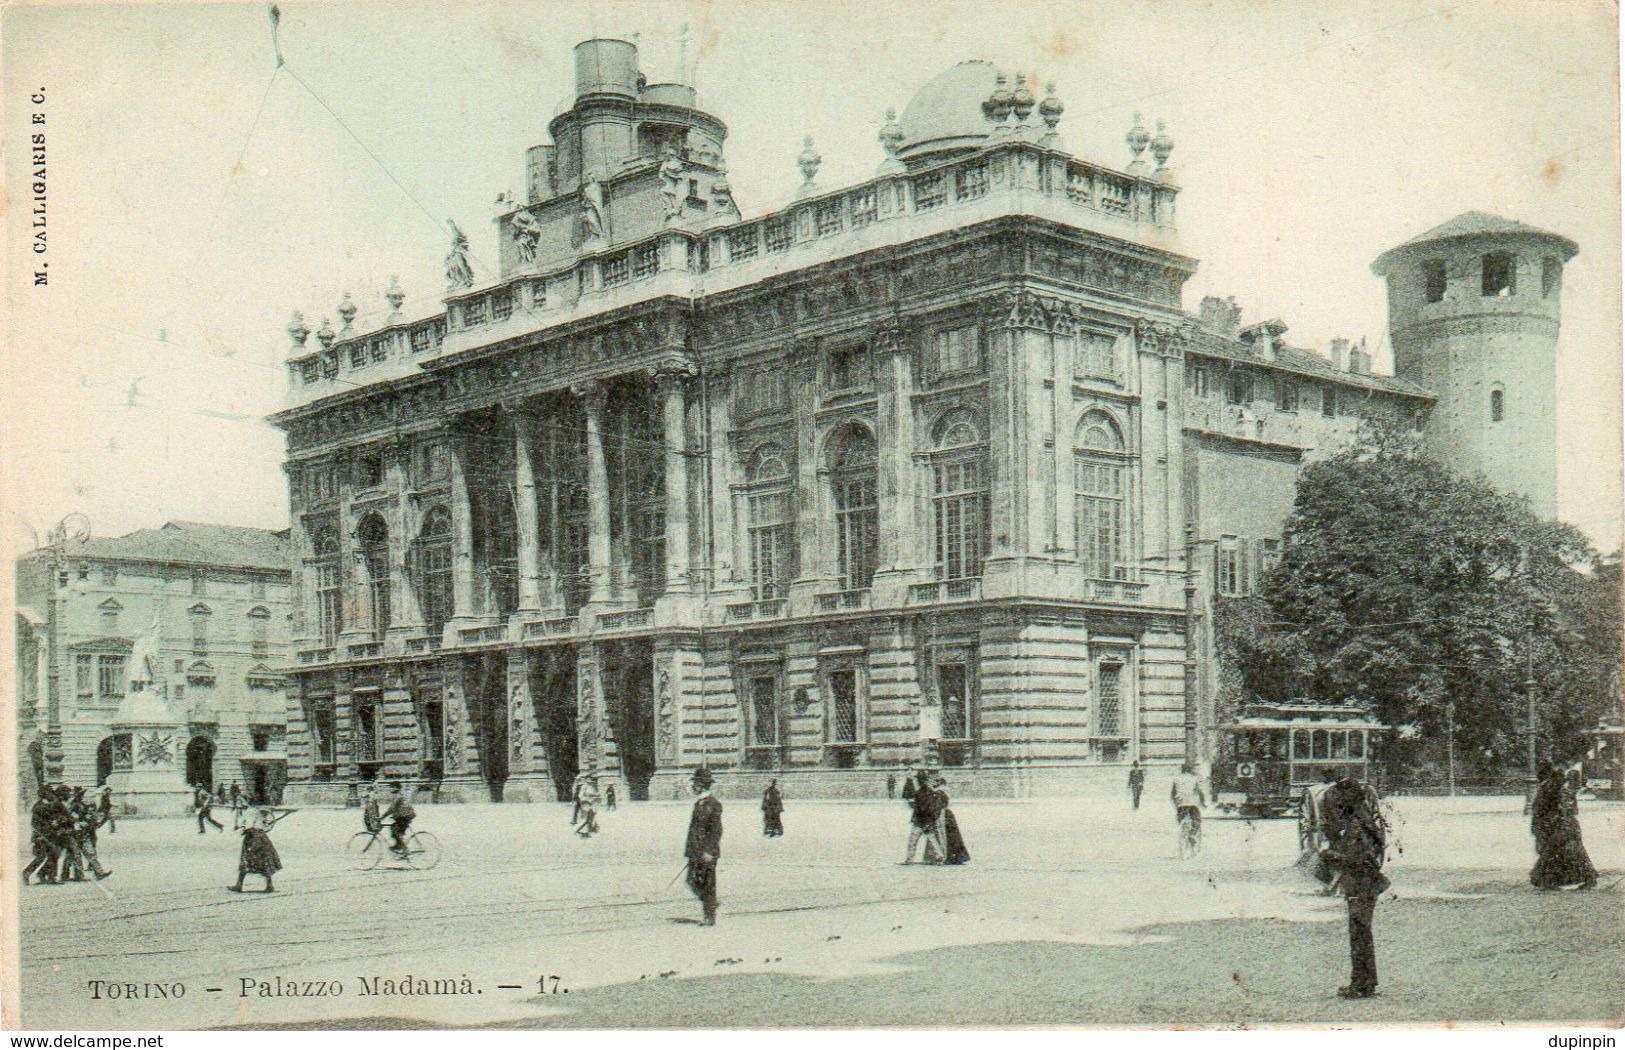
[[527, 232], [519, 721], [459, 274], [1163, 338], [672, 177], [587, 748], [454, 730], [157, 750], [590, 220], [665, 719], [891, 337], [122, 758]]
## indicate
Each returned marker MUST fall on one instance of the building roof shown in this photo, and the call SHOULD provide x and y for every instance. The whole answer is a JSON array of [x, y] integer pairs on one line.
[[193, 543], [1474, 224], [1302, 362], [947, 112]]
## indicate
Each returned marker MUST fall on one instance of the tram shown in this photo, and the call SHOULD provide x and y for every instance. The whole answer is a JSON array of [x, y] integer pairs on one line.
[[1270, 752], [1603, 767]]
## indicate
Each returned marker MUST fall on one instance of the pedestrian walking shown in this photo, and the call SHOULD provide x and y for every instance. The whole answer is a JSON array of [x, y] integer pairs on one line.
[[609, 796], [259, 855], [236, 795], [587, 807], [1356, 840], [1561, 858], [41, 826], [922, 821], [85, 821], [772, 809], [1136, 782], [575, 797], [205, 807], [891, 785], [704, 846], [953, 843], [104, 808], [64, 831]]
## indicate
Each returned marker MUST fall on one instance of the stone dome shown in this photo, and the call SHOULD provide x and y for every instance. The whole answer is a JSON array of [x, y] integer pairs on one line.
[[946, 114]]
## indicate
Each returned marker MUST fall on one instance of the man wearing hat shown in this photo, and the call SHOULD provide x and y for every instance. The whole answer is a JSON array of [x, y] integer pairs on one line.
[[704, 844]]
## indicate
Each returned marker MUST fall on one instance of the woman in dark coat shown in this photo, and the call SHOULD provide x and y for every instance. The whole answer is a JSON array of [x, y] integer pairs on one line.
[[772, 808], [259, 855], [1555, 820], [952, 840]]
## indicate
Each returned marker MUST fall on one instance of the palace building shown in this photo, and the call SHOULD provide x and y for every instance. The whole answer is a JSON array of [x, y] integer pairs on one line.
[[931, 468]]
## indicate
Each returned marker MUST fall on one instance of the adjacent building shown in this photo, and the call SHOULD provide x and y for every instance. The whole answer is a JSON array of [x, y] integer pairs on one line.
[[204, 611], [934, 467]]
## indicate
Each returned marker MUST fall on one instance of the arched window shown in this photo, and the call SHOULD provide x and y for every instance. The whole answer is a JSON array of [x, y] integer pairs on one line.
[[771, 524], [259, 632], [373, 538], [1498, 405], [854, 483], [324, 548], [434, 570], [959, 497], [1100, 497]]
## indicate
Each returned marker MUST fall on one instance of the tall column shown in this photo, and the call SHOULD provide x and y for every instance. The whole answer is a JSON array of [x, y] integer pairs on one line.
[[525, 516], [462, 533], [592, 397], [672, 383], [899, 539], [814, 572]]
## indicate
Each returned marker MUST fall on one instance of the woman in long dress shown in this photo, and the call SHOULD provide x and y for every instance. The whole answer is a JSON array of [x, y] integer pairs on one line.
[[259, 855], [772, 811], [1555, 820], [952, 840]]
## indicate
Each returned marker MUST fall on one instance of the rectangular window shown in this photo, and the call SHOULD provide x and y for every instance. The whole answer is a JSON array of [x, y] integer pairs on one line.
[[645, 260], [1109, 699], [109, 621], [857, 529], [1239, 389], [1328, 401], [779, 233], [772, 551], [200, 583], [84, 665], [1095, 356], [1500, 274], [369, 729], [109, 575], [501, 305], [764, 710], [200, 635], [930, 191], [957, 351], [827, 217], [259, 638], [960, 503], [953, 693], [1201, 380], [1269, 557], [849, 367], [109, 677], [843, 706], [256, 587], [323, 736], [1286, 394], [1099, 513], [432, 734], [1551, 271], [1433, 280], [1229, 565], [473, 312], [328, 609], [742, 243]]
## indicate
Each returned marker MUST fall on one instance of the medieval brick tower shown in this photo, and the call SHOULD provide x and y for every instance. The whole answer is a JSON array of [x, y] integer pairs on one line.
[[1473, 315]]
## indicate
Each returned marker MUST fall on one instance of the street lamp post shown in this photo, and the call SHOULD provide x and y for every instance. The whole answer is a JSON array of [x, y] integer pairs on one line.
[[1193, 705], [77, 526], [1450, 745]]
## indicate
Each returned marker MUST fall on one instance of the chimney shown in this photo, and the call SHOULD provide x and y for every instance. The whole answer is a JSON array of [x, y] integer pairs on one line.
[[1265, 337], [1359, 360], [1220, 316], [1338, 354]]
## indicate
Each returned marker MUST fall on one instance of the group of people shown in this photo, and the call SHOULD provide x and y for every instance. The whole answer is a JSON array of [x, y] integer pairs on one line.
[[931, 819], [586, 796], [204, 801], [1561, 858], [63, 824]]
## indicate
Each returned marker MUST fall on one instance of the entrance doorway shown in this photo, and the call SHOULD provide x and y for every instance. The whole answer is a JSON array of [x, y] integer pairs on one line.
[[104, 760], [487, 677], [629, 692], [553, 694], [200, 762]]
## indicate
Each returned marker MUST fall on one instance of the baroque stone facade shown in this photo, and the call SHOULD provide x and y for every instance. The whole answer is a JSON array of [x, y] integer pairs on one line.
[[933, 468]]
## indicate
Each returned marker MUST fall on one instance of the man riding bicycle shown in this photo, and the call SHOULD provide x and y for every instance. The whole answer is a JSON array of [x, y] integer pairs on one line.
[[400, 815], [1188, 799]]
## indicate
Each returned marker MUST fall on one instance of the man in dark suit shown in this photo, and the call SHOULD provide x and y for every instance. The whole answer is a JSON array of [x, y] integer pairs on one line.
[[704, 844], [1356, 839]]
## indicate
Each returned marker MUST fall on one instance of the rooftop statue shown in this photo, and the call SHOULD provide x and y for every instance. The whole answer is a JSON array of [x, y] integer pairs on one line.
[[458, 273]]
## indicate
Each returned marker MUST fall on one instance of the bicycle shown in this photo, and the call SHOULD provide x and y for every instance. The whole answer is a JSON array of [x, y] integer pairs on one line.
[[1190, 836], [367, 849]]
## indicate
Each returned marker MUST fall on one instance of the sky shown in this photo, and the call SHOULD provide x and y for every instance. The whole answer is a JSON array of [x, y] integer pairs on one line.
[[197, 195]]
